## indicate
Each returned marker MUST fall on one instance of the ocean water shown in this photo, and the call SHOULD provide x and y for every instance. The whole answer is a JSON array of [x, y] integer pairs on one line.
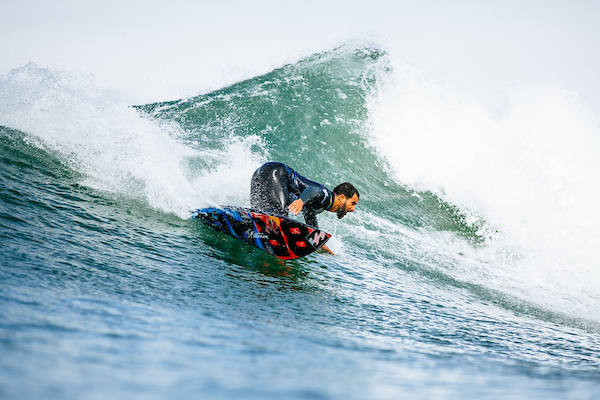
[[469, 270]]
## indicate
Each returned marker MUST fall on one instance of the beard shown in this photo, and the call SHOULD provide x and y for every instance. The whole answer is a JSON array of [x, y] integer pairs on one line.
[[342, 210]]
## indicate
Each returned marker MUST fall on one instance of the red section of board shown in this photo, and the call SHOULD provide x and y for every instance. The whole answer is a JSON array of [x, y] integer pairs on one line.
[[280, 236], [293, 241]]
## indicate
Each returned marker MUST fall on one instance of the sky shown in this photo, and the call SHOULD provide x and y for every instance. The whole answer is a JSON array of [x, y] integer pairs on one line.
[[158, 50]]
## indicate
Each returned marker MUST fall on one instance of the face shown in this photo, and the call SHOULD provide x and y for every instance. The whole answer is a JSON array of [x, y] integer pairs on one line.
[[347, 205]]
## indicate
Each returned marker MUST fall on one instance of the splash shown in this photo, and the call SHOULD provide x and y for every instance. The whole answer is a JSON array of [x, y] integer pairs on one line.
[[116, 148], [530, 175]]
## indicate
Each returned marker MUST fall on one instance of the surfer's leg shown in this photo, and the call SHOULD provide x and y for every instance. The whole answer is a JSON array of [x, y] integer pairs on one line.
[[269, 189]]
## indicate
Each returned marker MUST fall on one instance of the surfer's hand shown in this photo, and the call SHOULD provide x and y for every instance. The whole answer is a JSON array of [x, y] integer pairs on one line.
[[296, 206], [325, 249]]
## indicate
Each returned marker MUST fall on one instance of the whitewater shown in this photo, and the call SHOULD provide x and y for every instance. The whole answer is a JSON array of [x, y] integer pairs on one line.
[[469, 270]]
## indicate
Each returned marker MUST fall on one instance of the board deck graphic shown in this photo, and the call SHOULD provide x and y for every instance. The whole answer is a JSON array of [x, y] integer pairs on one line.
[[280, 236]]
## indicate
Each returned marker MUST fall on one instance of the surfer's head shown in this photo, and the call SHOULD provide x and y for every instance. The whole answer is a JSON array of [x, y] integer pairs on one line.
[[346, 198]]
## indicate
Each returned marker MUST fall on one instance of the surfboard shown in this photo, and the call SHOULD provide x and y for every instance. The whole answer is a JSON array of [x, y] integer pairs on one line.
[[279, 236]]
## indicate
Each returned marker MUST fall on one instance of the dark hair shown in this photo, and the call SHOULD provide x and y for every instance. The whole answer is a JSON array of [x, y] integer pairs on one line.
[[347, 190]]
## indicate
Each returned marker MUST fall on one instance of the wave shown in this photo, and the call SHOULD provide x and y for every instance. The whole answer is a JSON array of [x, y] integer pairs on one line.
[[499, 201], [528, 175]]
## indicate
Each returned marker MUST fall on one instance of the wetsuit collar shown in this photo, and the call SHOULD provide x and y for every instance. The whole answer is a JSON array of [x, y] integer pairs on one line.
[[331, 200]]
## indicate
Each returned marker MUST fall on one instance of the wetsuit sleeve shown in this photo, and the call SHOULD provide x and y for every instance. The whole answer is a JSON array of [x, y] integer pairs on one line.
[[311, 218], [313, 198], [312, 194]]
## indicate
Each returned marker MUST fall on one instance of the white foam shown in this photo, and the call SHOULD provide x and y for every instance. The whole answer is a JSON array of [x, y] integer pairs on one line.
[[115, 147], [531, 172]]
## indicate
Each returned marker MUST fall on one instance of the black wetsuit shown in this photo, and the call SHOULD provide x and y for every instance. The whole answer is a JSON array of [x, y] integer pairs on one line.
[[274, 186]]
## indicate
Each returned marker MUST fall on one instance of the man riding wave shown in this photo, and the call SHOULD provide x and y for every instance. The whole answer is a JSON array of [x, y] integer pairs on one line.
[[277, 188]]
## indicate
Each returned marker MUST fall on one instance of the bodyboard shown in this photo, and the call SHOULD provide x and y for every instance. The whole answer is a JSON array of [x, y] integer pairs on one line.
[[280, 236]]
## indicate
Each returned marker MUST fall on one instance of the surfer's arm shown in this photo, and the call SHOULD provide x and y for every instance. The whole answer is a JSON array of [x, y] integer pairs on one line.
[[325, 249], [309, 217], [310, 194]]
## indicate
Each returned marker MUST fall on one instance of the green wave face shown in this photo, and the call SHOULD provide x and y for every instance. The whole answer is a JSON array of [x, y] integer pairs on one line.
[[314, 116]]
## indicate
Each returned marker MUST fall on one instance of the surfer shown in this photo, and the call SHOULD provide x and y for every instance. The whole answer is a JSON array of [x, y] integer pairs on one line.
[[277, 188]]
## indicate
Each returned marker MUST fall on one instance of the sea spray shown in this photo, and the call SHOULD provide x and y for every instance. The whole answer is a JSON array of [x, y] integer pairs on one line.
[[112, 145], [528, 174]]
